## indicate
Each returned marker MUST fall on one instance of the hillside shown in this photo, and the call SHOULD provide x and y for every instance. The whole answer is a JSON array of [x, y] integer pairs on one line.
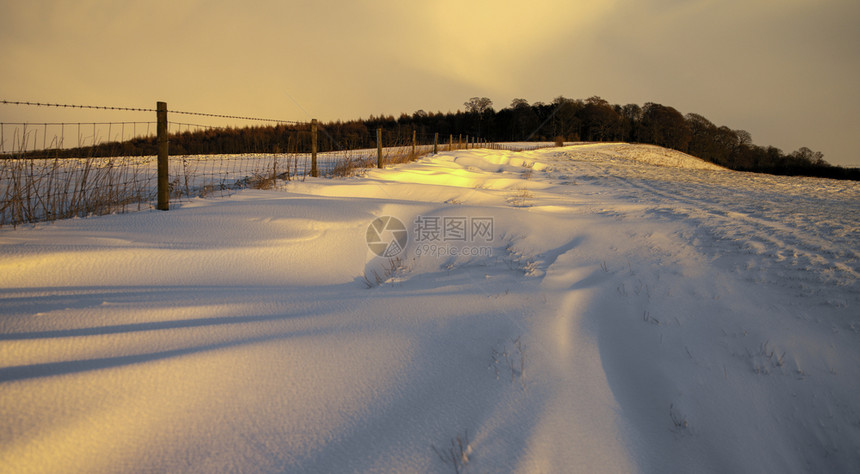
[[647, 154]]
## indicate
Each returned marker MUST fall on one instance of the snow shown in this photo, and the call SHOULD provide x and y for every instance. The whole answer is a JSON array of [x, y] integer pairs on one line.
[[634, 309]]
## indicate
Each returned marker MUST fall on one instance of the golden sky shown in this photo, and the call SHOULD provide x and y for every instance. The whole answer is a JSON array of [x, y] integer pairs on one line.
[[784, 70]]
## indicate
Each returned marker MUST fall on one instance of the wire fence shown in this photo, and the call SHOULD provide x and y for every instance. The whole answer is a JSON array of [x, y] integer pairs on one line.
[[56, 170]]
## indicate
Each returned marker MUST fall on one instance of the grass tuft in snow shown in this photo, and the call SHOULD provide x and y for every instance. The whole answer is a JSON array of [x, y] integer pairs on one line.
[[376, 277], [528, 169], [678, 420], [646, 316], [351, 166], [766, 359], [456, 456], [514, 358], [258, 181], [521, 197]]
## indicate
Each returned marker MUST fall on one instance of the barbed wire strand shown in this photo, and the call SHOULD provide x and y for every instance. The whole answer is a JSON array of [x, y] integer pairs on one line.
[[74, 123], [139, 109]]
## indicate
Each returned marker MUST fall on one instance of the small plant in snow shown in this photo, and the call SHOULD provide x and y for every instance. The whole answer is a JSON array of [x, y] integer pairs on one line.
[[520, 198], [373, 278], [766, 359], [527, 170], [457, 456], [531, 269], [257, 181], [514, 359], [642, 287], [646, 316], [351, 166], [519, 262], [679, 421]]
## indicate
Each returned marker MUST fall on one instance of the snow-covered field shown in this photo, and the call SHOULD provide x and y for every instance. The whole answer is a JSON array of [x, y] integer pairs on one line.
[[594, 308]]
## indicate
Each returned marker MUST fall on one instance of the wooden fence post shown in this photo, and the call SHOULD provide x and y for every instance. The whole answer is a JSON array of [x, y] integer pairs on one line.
[[450, 142], [436, 143], [162, 141], [467, 142], [413, 145], [379, 147], [314, 171]]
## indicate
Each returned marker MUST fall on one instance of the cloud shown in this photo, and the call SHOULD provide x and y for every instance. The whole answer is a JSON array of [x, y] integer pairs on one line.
[[782, 69], [483, 43]]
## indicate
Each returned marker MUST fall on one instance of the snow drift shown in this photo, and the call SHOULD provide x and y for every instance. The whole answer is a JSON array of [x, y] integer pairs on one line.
[[607, 314]]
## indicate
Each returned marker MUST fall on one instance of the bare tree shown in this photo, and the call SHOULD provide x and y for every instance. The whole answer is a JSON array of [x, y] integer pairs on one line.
[[525, 121], [806, 155], [519, 103], [744, 137], [478, 105]]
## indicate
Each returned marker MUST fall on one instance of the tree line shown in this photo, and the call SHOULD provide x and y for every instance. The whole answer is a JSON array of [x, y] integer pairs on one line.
[[596, 120], [592, 120]]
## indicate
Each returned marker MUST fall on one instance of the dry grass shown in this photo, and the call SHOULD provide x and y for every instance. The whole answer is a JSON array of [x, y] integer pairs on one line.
[[514, 358], [49, 189], [457, 456], [520, 197], [350, 166], [376, 277]]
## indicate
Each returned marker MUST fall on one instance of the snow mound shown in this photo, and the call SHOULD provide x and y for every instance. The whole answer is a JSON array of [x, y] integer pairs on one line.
[[648, 154]]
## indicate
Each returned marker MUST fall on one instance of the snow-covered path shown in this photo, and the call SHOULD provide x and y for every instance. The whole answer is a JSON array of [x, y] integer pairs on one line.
[[560, 310]]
